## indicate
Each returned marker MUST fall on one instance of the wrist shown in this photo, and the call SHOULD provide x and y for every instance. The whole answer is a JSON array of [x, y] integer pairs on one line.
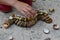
[[12, 3], [15, 3]]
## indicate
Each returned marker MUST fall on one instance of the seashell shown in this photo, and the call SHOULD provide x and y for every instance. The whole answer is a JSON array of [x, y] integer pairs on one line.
[[55, 27], [51, 10]]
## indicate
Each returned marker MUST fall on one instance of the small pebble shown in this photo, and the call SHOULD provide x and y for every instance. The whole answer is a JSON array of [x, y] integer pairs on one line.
[[51, 10], [55, 27], [47, 39], [46, 31], [0, 26], [10, 38]]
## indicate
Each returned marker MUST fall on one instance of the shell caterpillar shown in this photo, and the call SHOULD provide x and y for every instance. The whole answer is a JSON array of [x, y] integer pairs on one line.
[[27, 22]]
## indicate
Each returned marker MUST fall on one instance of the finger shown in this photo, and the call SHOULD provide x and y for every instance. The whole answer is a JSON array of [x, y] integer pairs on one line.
[[28, 6], [29, 10], [32, 12], [23, 13], [27, 13]]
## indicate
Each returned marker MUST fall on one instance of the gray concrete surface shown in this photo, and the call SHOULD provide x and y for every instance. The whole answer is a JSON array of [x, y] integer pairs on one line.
[[36, 32]]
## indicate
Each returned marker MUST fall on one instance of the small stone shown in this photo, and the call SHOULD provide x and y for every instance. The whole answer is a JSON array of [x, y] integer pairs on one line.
[[10, 38], [51, 10], [55, 27], [0, 27], [46, 31], [47, 39]]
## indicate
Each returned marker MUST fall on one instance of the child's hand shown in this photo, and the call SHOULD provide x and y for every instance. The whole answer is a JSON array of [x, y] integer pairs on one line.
[[25, 9], [22, 7]]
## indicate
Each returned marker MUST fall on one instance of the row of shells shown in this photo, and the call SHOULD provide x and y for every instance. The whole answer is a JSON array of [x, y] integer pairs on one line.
[[27, 22]]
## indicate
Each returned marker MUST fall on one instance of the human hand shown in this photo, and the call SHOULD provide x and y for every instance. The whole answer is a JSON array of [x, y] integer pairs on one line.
[[25, 9], [22, 7]]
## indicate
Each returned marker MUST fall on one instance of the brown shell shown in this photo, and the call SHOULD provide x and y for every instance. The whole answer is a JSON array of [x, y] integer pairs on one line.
[[44, 17], [54, 27]]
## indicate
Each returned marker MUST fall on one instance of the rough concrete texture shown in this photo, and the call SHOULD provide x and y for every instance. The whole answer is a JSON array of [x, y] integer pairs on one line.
[[36, 32]]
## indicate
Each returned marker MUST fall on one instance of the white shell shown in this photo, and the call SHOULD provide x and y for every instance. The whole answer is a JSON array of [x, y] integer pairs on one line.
[[10, 17], [46, 30], [10, 38]]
